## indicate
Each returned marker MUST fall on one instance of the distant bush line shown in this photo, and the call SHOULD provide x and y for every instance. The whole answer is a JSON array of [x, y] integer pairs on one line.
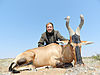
[[97, 56]]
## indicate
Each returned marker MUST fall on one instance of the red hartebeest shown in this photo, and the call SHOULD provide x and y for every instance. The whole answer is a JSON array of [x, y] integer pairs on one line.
[[75, 40], [52, 54]]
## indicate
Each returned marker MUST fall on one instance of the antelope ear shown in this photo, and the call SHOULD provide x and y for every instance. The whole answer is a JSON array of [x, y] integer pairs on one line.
[[63, 42], [86, 42]]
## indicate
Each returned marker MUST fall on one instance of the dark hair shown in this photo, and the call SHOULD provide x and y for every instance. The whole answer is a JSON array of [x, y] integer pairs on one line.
[[49, 23]]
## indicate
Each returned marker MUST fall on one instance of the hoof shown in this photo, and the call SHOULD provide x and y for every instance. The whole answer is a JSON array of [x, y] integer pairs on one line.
[[67, 65], [15, 71]]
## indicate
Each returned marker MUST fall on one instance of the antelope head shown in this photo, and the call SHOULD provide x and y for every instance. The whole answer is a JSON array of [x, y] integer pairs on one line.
[[75, 40]]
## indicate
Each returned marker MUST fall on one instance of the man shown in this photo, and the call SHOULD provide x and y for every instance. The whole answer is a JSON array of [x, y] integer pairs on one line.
[[50, 36]]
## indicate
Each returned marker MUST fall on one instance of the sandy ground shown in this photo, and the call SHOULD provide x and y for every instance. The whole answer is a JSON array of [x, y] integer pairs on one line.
[[92, 67]]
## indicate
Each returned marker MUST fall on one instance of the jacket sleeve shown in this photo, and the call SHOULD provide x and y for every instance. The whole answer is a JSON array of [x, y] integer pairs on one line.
[[60, 37], [41, 41]]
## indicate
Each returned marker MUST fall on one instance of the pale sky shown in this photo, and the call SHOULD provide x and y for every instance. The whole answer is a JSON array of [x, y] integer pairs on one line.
[[23, 21]]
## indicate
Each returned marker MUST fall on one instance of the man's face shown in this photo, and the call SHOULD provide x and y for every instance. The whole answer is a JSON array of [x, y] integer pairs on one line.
[[49, 28]]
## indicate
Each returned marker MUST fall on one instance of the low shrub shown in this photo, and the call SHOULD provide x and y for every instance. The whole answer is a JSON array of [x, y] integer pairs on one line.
[[97, 56]]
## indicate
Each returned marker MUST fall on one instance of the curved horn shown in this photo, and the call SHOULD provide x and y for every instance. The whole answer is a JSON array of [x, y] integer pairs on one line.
[[80, 25], [71, 32]]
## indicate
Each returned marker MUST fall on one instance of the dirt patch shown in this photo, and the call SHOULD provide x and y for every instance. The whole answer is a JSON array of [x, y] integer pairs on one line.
[[51, 71], [92, 67]]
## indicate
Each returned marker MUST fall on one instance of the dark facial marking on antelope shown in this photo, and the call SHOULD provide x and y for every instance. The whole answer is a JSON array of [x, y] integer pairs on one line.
[[76, 39], [78, 55]]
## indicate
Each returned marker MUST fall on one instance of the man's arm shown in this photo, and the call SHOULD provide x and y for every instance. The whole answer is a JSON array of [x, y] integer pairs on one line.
[[60, 37], [41, 41]]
